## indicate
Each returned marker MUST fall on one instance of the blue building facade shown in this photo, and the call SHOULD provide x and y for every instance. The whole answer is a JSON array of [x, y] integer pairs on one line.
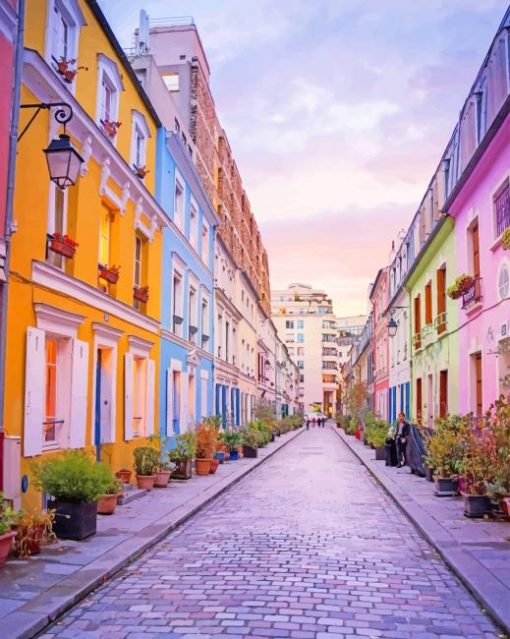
[[187, 295]]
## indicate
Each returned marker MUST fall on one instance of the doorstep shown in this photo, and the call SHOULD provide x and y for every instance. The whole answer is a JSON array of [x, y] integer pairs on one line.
[[34, 592], [477, 551]]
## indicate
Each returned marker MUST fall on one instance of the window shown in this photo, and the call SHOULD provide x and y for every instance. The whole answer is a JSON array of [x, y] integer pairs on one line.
[[140, 397], [205, 322], [50, 404], [108, 96], [140, 133], [179, 204], [193, 225], [417, 321], [301, 379], [443, 394], [300, 363], [300, 338], [57, 220], [289, 338], [503, 282], [171, 81], [227, 340], [177, 303], [300, 324], [138, 261], [475, 249], [428, 303], [289, 324], [441, 300], [105, 233], [300, 351], [502, 208], [192, 314], [205, 243], [64, 19]]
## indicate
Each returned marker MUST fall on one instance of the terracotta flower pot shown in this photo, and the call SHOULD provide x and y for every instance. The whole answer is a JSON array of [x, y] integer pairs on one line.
[[124, 475], [145, 482], [162, 478], [106, 504], [203, 466], [5, 546], [62, 248], [214, 466]]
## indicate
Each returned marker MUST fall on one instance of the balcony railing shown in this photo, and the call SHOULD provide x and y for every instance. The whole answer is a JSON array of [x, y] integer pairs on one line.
[[473, 294], [417, 341]]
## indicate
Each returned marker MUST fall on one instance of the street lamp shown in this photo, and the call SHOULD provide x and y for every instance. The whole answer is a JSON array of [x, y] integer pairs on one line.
[[64, 161], [392, 327]]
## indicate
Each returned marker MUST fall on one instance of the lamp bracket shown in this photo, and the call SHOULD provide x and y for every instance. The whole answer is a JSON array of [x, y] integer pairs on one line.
[[63, 113]]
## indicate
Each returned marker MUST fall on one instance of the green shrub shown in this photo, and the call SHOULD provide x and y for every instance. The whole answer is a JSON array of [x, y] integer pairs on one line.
[[73, 477], [146, 459], [6, 515], [232, 438]]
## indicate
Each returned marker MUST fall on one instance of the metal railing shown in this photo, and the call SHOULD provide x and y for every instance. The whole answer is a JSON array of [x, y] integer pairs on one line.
[[473, 294]]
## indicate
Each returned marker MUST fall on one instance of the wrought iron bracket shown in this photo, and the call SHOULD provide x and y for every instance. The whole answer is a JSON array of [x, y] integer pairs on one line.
[[63, 113]]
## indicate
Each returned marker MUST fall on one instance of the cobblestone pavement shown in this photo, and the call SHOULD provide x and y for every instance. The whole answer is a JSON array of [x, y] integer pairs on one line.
[[307, 547]]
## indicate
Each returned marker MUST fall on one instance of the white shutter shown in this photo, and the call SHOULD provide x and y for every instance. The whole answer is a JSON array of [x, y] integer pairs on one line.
[[151, 395], [34, 393], [128, 396], [183, 417], [79, 395], [55, 33], [169, 402]]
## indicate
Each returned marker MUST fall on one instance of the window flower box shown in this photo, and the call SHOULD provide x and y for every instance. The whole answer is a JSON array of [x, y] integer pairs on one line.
[[461, 286], [505, 239], [109, 273], [140, 171], [62, 245], [141, 293], [110, 128]]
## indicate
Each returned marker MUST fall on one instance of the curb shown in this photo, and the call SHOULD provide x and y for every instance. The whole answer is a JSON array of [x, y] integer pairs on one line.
[[23, 624], [475, 578]]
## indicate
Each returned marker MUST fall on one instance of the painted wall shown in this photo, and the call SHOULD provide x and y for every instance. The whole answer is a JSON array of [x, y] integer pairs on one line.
[[484, 326]]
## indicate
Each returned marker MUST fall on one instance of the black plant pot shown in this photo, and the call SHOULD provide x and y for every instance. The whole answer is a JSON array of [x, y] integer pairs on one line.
[[74, 521], [445, 487], [476, 505], [250, 452], [278, 434], [183, 470], [380, 453], [273, 437], [429, 474]]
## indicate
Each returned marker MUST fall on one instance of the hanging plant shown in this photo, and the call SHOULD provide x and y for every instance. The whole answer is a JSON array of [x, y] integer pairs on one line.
[[141, 293], [109, 273], [505, 239], [110, 128]]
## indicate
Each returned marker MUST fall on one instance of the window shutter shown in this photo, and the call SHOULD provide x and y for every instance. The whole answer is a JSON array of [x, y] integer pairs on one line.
[[79, 395], [151, 396], [128, 396], [56, 51], [34, 393], [169, 402], [184, 403]]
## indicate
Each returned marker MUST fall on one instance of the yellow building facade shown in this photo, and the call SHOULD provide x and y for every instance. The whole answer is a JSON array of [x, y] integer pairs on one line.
[[82, 348]]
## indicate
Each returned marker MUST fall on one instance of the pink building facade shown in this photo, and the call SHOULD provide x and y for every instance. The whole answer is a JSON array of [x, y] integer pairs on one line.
[[479, 201], [379, 299]]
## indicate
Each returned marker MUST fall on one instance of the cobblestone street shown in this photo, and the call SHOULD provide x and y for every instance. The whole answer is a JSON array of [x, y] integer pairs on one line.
[[307, 547]]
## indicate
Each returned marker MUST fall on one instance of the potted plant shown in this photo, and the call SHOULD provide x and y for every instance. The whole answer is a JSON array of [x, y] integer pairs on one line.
[[107, 503], [163, 471], [141, 293], [232, 439], [75, 481], [124, 474], [206, 446], [146, 459], [498, 487], [32, 530], [461, 285], [339, 419], [111, 128], [445, 454], [478, 465], [62, 244], [140, 171], [109, 273], [182, 454], [376, 431], [6, 533], [250, 441], [64, 69]]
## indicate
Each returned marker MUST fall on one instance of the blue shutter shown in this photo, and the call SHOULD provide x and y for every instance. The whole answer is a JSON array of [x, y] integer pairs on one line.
[[408, 398], [389, 404], [238, 406], [224, 406], [217, 410]]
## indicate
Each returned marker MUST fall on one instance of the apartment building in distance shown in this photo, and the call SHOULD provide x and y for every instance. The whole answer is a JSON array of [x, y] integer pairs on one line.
[[305, 322]]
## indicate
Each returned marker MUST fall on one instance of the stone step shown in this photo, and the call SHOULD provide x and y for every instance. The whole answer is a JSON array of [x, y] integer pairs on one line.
[[130, 494]]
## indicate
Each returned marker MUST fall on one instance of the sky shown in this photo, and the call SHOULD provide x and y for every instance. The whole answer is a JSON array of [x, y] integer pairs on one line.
[[337, 113]]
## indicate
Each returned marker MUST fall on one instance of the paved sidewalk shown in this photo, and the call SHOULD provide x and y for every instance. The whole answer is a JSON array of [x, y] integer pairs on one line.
[[35, 591], [477, 551]]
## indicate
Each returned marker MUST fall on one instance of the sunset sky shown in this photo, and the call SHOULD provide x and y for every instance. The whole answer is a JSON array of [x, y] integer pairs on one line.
[[337, 112]]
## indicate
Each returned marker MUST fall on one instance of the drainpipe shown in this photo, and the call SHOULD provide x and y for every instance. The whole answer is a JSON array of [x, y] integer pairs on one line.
[[13, 141]]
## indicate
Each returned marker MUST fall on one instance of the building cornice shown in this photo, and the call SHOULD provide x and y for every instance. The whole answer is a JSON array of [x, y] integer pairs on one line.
[[171, 337]]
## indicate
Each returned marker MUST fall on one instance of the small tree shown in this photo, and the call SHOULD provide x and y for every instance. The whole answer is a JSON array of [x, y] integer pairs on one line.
[[355, 398]]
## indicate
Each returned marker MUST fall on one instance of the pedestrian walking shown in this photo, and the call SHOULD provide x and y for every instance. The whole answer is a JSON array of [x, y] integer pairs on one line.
[[307, 423], [403, 429]]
